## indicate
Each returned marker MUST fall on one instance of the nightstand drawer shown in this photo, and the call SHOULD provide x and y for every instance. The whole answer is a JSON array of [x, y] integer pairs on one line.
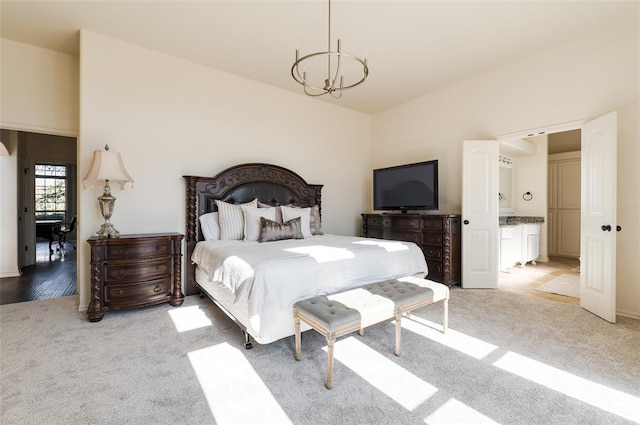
[[149, 291], [137, 271], [138, 250]]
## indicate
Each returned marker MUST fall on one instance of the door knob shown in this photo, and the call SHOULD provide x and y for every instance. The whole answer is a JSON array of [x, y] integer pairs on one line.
[[618, 228], [465, 222], [606, 227]]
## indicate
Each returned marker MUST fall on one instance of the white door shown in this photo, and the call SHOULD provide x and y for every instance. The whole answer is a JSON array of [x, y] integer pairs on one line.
[[480, 234], [598, 211]]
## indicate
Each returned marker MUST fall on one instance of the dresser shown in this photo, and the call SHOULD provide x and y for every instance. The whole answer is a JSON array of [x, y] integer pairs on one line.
[[437, 235], [135, 271]]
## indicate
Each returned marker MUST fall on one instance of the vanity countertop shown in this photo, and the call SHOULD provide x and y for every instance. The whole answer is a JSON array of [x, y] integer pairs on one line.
[[513, 220]]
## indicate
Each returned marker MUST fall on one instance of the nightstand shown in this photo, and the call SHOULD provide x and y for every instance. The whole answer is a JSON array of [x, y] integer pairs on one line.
[[135, 271]]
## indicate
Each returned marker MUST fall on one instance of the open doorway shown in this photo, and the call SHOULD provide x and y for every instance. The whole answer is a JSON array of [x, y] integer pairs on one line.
[[46, 203], [556, 274]]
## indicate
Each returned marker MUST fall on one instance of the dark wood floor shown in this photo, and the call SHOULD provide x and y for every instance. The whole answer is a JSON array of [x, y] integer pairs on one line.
[[53, 276]]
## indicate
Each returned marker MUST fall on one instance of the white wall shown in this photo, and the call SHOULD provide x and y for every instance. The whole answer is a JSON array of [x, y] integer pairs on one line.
[[39, 89], [582, 80], [9, 210], [169, 118], [530, 175]]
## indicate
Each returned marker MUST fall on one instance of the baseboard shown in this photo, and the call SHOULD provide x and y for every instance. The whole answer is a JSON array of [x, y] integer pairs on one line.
[[12, 273], [628, 314]]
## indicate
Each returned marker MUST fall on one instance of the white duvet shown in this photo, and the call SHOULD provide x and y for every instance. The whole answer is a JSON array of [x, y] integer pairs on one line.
[[273, 276]]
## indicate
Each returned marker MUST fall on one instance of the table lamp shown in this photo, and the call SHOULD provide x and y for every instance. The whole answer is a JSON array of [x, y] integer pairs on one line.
[[107, 166]]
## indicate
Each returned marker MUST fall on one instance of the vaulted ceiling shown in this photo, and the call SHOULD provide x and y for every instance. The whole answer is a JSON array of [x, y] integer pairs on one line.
[[413, 47]]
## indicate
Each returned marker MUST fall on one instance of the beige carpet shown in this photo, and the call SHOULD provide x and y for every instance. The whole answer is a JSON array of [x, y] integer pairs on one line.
[[565, 284], [506, 359]]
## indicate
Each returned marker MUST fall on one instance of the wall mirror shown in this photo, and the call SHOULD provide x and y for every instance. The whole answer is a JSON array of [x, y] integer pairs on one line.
[[505, 185]]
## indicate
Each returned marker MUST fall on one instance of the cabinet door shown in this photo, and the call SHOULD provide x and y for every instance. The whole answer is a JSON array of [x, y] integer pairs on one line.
[[552, 245], [569, 233], [532, 240], [510, 246], [568, 195]]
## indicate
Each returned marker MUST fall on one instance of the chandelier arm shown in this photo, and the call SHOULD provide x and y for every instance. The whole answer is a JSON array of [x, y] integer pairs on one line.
[[295, 71], [335, 76]]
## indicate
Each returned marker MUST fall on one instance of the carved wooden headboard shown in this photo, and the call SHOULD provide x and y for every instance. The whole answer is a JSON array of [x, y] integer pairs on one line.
[[270, 184]]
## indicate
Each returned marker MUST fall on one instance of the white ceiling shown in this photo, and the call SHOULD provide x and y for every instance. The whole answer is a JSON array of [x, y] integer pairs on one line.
[[413, 47]]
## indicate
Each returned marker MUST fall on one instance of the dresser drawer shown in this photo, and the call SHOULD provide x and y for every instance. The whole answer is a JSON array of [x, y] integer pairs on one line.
[[432, 225], [435, 270], [374, 220], [399, 221], [402, 236], [128, 272], [138, 250], [431, 253], [116, 294], [433, 239], [374, 233]]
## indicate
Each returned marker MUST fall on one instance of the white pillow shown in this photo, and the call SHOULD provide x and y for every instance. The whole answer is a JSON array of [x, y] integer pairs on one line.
[[252, 221], [231, 219], [289, 213], [209, 226]]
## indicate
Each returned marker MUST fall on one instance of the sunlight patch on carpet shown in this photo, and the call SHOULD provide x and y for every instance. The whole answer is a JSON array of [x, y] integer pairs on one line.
[[456, 412], [597, 395], [233, 389], [391, 379], [476, 348], [566, 284], [189, 318]]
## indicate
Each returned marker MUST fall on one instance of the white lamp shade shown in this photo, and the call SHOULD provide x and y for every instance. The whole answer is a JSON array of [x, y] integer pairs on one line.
[[107, 165]]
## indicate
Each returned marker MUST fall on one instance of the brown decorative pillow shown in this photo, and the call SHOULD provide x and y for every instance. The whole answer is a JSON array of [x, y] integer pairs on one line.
[[273, 231], [315, 222]]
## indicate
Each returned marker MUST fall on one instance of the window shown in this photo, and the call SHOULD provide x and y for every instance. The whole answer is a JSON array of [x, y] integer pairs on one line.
[[51, 192]]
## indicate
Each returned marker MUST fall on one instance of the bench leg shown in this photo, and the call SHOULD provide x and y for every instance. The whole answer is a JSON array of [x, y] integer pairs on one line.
[[445, 315], [296, 321], [330, 340], [398, 333]]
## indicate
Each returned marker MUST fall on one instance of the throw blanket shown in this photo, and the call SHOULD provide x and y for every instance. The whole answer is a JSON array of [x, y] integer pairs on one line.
[[273, 276]]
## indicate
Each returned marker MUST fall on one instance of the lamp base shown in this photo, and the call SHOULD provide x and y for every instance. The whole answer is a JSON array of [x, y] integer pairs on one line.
[[107, 231]]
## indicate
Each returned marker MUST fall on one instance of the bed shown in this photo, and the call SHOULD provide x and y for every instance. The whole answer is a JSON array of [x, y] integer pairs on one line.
[[256, 276]]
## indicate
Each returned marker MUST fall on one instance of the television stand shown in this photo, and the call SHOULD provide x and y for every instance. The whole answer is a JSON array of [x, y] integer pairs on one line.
[[437, 235]]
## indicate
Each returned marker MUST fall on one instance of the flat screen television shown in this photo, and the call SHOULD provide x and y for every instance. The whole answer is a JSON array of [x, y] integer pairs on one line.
[[406, 187]]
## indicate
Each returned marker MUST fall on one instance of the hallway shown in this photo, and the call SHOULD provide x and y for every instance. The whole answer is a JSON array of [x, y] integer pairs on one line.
[[53, 276]]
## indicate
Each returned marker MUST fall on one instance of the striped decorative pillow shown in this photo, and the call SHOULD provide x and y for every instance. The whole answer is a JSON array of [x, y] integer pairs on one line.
[[232, 220]]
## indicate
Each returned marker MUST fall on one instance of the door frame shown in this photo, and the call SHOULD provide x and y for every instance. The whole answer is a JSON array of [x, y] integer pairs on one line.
[[572, 125]]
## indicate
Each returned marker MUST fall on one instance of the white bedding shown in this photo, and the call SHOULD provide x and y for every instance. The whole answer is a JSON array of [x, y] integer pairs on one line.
[[272, 276]]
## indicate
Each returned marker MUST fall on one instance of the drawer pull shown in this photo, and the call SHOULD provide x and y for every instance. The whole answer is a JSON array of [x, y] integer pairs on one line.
[[157, 289], [120, 292], [120, 274], [158, 248]]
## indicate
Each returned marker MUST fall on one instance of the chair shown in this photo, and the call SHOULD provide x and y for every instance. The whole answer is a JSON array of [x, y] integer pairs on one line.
[[61, 231]]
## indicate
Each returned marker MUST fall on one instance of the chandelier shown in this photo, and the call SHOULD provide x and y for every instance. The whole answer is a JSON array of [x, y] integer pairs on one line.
[[334, 81]]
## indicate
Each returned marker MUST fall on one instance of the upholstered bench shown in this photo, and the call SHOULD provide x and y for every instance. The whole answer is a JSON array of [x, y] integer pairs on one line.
[[354, 309]]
